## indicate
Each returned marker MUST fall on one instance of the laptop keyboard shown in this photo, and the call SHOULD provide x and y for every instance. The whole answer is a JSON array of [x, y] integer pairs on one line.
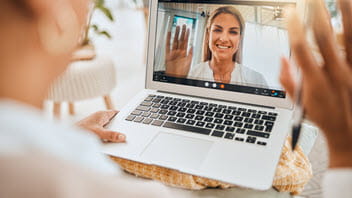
[[221, 121]]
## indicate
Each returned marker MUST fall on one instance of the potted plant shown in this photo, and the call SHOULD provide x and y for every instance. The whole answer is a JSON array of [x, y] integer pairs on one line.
[[86, 50]]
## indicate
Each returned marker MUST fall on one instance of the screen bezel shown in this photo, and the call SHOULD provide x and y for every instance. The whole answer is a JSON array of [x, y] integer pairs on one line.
[[208, 92]]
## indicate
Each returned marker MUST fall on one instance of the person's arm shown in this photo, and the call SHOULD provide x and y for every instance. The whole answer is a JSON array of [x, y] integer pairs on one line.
[[327, 86], [96, 123], [38, 175]]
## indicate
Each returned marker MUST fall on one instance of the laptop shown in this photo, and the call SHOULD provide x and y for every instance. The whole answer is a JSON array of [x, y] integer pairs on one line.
[[230, 130]]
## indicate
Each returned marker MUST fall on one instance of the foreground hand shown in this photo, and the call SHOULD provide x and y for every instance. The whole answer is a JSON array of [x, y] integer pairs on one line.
[[177, 61], [96, 123], [327, 86]]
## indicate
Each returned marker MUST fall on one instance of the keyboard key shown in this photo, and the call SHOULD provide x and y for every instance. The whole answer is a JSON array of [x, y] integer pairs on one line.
[[268, 128], [154, 110], [220, 127], [217, 110], [163, 117], [164, 106], [242, 109], [217, 134], [248, 126], [189, 105], [182, 109], [203, 103], [213, 105], [229, 136], [226, 111], [208, 119], [258, 134], [238, 118], [190, 116], [240, 131], [138, 119], [200, 112], [222, 106], [171, 113], [160, 96], [156, 100], [262, 112], [147, 121], [187, 128], [148, 99], [228, 117], [209, 113], [194, 102], [181, 120], [168, 98], [200, 124], [146, 114], [191, 110], [268, 123], [270, 118], [252, 111], [256, 116], [246, 114], [185, 100], [181, 115], [199, 117], [232, 108], [261, 143], [172, 119], [130, 117], [219, 115], [218, 121], [165, 101], [156, 105], [239, 139], [154, 116], [199, 107], [258, 122], [238, 124], [173, 103], [163, 111], [173, 108], [136, 112], [259, 127], [237, 113], [208, 108], [230, 129], [228, 122], [190, 122], [272, 114], [251, 140], [210, 125], [248, 120], [147, 104]]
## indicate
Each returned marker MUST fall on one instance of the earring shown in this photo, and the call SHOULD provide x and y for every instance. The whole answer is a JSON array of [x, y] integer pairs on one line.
[[61, 34]]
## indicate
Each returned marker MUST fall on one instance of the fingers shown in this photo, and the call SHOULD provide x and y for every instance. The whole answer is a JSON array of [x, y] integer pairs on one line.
[[301, 51], [175, 42], [168, 38], [286, 77], [346, 12], [110, 136], [324, 37], [182, 37]]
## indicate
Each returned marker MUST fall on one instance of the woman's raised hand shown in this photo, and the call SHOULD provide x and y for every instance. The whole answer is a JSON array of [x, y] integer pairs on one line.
[[178, 61]]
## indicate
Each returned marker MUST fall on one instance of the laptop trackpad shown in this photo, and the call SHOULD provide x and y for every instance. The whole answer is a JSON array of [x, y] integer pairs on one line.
[[175, 150]]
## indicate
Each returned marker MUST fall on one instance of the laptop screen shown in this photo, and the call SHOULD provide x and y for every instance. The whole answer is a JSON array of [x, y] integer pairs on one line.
[[221, 44]]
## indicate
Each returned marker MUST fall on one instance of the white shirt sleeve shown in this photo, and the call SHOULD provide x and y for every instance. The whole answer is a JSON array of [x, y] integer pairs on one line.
[[338, 183]]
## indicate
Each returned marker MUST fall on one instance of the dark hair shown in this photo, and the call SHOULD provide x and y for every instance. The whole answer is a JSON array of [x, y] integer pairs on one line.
[[237, 57]]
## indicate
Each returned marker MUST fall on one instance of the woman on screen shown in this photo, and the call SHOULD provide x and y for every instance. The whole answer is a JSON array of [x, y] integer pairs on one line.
[[222, 51]]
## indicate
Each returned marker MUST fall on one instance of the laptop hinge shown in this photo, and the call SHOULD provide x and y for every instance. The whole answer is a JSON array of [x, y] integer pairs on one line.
[[236, 102]]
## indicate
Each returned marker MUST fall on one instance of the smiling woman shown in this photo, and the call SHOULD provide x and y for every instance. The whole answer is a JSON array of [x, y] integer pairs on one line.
[[222, 55]]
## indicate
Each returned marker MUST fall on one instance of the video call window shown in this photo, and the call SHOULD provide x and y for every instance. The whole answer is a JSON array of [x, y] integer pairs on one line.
[[243, 41]]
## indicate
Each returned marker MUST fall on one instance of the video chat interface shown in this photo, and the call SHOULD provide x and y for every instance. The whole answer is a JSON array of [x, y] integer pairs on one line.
[[260, 53]]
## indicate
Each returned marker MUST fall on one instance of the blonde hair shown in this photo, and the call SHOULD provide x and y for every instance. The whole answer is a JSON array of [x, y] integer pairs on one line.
[[237, 57]]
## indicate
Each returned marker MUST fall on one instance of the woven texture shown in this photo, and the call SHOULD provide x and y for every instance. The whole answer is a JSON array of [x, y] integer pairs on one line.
[[83, 80], [293, 172]]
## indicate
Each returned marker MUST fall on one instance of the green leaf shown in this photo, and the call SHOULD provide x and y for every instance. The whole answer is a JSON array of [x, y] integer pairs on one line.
[[106, 12], [105, 33], [99, 2], [95, 27]]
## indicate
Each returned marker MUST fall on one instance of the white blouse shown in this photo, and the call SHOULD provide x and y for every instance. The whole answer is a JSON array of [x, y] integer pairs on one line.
[[240, 75]]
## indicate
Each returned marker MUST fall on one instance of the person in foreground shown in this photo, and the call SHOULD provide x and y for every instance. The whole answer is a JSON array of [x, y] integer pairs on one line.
[[327, 89], [39, 158]]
